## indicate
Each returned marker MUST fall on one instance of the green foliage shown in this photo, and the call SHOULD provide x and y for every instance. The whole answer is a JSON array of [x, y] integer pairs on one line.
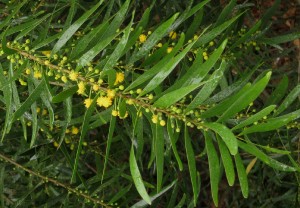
[[143, 103]]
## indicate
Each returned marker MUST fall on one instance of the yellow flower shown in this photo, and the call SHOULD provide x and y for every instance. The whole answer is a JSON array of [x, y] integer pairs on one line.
[[142, 38], [64, 79], [159, 45], [95, 87], [73, 75], [154, 119], [88, 102], [119, 78], [111, 93], [173, 35], [169, 49], [37, 74], [104, 101], [162, 123], [74, 130], [27, 71], [114, 113], [81, 88]]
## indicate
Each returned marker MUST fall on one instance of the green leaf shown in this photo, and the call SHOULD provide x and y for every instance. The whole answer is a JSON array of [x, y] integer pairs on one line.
[[34, 120], [187, 14], [73, 28], [6, 50], [116, 54], [137, 178], [264, 112], [68, 117], [159, 149], [208, 87], [291, 97], [143, 203], [243, 101], [173, 144], [13, 12], [281, 39], [225, 133], [242, 175], [272, 123], [29, 101], [253, 150], [106, 37], [214, 167], [60, 97], [247, 35], [111, 130], [159, 33], [198, 71], [195, 25], [172, 97], [227, 162], [84, 130], [228, 10], [157, 67], [279, 92], [165, 71], [214, 32], [192, 164]]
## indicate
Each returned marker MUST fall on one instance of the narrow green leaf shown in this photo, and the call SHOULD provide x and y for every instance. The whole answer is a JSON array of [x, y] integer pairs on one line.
[[227, 162], [84, 130], [214, 167], [68, 117], [6, 50], [247, 35], [116, 54], [272, 123], [106, 37], [172, 97], [121, 193], [34, 121], [215, 32], [29, 101], [143, 203], [225, 12], [225, 133], [111, 130], [192, 164], [253, 150], [264, 112], [291, 97], [137, 178], [242, 175], [159, 33], [64, 94], [157, 67], [159, 156], [73, 28], [198, 71], [173, 144], [279, 92], [187, 14], [195, 25], [33, 25], [208, 87], [282, 39], [165, 71], [243, 101]]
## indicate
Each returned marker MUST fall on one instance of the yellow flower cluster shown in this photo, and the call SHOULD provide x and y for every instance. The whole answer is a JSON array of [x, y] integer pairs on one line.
[[173, 35], [119, 78], [142, 38], [88, 102], [73, 75], [81, 88], [104, 101]]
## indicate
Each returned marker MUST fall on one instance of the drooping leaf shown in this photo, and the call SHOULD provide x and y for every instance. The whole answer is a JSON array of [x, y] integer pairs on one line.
[[242, 175]]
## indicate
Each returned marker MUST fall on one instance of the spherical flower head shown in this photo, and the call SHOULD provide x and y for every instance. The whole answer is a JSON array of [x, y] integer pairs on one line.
[[173, 35], [81, 88], [119, 78], [37, 74], [162, 123], [104, 101], [115, 113], [27, 71], [154, 119], [169, 50], [111, 93], [74, 130], [64, 79], [95, 87], [73, 75], [88, 102], [142, 38]]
